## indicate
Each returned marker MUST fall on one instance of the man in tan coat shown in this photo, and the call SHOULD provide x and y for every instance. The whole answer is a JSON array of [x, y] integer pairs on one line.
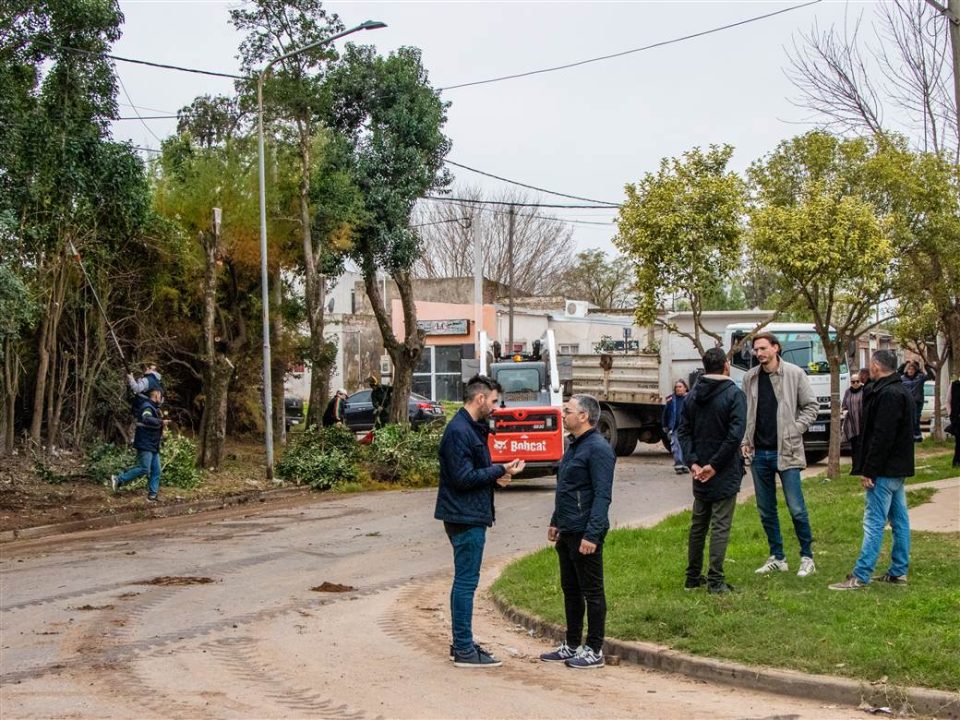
[[780, 407]]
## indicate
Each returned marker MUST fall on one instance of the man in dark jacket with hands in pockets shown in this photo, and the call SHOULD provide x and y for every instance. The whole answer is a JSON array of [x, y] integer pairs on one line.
[[711, 429], [465, 504], [578, 527]]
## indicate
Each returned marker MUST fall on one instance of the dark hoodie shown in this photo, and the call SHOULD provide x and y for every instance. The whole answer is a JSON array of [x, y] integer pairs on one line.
[[712, 425]]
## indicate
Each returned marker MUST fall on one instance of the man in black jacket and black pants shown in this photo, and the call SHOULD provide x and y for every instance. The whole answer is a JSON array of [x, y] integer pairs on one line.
[[465, 504], [885, 460], [711, 430], [578, 526]]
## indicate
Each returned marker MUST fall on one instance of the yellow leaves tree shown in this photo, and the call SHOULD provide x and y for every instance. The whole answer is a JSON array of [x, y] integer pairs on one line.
[[816, 224]]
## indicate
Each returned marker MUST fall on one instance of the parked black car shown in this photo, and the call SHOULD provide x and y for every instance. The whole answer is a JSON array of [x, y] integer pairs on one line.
[[358, 411], [292, 411]]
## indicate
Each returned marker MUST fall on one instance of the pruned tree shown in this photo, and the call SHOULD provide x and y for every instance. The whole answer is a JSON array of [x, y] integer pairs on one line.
[[815, 223], [903, 83], [682, 227], [542, 244], [393, 119]]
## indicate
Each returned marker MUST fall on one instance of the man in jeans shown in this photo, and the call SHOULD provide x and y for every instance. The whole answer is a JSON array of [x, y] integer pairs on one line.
[[885, 459], [465, 504], [711, 429], [146, 441], [578, 527], [780, 407]]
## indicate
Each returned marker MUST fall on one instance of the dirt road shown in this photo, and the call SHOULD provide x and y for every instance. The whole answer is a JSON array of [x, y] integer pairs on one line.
[[214, 617]]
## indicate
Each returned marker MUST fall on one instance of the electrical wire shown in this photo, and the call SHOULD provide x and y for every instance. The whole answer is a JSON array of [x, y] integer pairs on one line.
[[440, 198], [662, 43], [525, 185], [148, 63], [136, 110], [147, 117]]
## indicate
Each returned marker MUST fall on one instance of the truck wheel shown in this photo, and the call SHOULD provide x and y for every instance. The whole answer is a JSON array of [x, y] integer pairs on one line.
[[626, 442], [815, 456], [607, 426]]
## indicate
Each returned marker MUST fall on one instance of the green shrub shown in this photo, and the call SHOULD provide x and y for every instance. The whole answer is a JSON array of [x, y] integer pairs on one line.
[[178, 455], [106, 459], [402, 455], [321, 458]]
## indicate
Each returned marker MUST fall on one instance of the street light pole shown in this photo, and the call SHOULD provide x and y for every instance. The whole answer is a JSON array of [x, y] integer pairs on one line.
[[264, 279]]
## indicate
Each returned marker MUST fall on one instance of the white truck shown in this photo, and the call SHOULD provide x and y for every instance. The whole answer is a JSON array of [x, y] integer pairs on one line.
[[632, 387]]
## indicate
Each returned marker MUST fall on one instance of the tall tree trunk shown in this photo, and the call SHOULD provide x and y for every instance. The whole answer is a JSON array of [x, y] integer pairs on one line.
[[834, 356], [207, 437], [11, 386], [47, 345], [213, 425], [57, 397]]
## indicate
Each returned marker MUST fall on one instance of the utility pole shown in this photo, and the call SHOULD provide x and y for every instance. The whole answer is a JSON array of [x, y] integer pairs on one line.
[[512, 216], [951, 11], [477, 283]]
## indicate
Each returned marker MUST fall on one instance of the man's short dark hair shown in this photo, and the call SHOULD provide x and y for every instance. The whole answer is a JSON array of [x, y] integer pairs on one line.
[[589, 404], [714, 360], [480, 385], [769, 337], [885, 359]]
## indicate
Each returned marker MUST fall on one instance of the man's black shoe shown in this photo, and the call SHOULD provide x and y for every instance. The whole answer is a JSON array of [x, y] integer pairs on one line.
[[720, 589], [892, 579], [694, 583], [476, 658]]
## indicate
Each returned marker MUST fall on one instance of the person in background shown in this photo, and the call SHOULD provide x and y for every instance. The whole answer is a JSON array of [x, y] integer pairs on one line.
[[672, 411], [380, 396], [913, 381], [953, 409], [333, 414], [146, 441], [853, 410]]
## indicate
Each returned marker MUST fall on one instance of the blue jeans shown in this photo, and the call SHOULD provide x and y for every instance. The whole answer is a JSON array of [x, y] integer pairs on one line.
[[764, 469], [886, 500], [467, 557], [675, 447], [149, 464]]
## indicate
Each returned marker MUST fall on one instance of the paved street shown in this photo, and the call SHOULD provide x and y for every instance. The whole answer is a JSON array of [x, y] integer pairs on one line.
[[102, 625]]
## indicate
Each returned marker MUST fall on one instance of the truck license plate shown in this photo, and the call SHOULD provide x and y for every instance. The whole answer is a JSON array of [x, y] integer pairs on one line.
[[818, 428]]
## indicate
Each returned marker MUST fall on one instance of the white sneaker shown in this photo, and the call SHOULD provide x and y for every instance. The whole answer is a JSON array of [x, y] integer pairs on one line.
[[114, 483], [772, 564], [806, 567]]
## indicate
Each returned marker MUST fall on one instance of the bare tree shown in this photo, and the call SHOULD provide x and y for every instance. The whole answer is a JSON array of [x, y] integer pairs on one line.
[[902, 83], [542, 244]]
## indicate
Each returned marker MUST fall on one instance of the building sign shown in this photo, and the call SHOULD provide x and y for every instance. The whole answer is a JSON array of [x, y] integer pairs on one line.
[[444, 327]]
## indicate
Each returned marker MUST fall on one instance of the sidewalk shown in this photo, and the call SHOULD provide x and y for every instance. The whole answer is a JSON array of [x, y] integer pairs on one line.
[[942, 513]]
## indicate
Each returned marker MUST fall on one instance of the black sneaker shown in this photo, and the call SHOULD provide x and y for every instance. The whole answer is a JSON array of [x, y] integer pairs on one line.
[[694, 583], [892, 579], [561, 654], [476, 658], [152, 497], [720, 589]]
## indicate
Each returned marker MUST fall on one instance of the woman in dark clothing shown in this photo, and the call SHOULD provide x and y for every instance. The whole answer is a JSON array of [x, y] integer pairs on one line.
[[853, 411], [913, 380], [953, 405]]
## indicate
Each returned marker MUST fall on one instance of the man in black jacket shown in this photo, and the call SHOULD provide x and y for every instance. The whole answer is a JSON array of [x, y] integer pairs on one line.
[[711, 430], [146, 441], [886, 458], [578, 527], [465, 504]]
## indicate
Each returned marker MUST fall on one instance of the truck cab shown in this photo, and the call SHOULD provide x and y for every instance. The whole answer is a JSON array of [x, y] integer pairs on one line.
[[801, 345]]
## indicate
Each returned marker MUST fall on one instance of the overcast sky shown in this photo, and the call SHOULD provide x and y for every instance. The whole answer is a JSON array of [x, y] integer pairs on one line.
[[585, 131]]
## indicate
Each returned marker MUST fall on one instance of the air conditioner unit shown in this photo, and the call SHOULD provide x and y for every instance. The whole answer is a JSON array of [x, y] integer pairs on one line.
[[386, 367], [576, 308]]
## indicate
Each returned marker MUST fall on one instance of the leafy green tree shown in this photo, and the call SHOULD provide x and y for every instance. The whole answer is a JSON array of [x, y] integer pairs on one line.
[[604, 282], [816, 223], [294, 97], [683, 228], [393, 120]]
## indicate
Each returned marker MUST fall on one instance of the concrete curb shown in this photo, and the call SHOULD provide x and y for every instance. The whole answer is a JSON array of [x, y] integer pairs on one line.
[[841, 691], [148, 513]]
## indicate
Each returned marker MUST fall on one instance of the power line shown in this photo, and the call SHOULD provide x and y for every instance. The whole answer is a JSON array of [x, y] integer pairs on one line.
[[515, 204], [147, 117], [137, 111], [662, 43], [148, 63], [525, 185]]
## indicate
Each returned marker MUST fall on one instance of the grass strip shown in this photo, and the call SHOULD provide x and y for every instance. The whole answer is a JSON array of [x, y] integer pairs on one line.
[[905, 635]]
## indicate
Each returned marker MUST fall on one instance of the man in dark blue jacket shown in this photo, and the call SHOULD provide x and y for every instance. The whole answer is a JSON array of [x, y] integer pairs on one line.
[[465, 504], [886, 458], [146, 441], [711, 430], [578, 527]]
